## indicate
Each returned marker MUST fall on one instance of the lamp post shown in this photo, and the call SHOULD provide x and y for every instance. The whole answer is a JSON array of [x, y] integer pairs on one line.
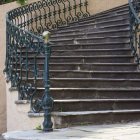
[[47, 102]]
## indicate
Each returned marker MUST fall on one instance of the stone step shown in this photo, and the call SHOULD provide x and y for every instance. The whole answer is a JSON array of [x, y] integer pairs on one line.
[[85, 82], [92, 82], [82, 74], [93, 93], [67, 119], [83, 52], [83, 34], [106, 45], [100, 19], [85, 40], [92, 59], [84, 59], [94, 28], [81, 66], [91, 52], [97, 24], [94, 66], [69, 105], [94, 74], [103, 18]]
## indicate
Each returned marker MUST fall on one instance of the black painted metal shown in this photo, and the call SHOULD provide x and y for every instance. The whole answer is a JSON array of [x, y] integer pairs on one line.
[[25, 26], [134, 9]]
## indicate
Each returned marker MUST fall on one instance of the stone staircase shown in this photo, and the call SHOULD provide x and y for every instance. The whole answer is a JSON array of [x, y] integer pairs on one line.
[[94, 77]]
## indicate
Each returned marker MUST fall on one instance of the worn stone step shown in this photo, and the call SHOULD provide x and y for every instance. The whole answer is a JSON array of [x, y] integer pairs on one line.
[[67, 119], [83, 59], [81, 66], [108, 45], [83, 34], [94, 28], [81, 74], [93, 82], [91, 52], [68, 105], [83, 52], [124, 39], [92, 59], [94, 66], [94, 74], [98, 24], [103, 18], [93, 93]]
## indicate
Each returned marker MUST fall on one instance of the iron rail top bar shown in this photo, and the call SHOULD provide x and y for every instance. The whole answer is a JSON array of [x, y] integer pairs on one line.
[[133, 11]]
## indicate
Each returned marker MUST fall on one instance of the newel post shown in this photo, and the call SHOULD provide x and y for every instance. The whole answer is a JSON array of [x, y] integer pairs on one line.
[[47, 99]]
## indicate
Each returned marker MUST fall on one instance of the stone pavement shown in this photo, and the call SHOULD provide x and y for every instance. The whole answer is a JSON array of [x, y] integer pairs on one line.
[[129, 131]]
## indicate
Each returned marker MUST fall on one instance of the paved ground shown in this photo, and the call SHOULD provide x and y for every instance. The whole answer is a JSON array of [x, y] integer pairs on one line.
[[129, 131]]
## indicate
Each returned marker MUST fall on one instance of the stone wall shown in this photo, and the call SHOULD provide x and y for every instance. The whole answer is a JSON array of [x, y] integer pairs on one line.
[[96, 6]]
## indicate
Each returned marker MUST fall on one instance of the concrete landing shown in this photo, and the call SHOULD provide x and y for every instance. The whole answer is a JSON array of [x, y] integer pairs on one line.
[[127, 131]]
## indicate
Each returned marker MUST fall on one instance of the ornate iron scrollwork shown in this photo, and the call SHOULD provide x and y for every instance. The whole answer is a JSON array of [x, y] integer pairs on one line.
[[25, 45]]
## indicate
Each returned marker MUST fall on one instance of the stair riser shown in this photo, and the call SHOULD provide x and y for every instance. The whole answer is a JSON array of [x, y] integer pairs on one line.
[[91, 53], [86, 67], [93, 67], [94, 75], [93, 84], [106, 18], [86, 60], [91, 60], [96, 40], [67, 121], [94, 28], [70, 36], [83, 75], [94, 46], [92, 24], [93, 94], [105, 40], [95, 106]]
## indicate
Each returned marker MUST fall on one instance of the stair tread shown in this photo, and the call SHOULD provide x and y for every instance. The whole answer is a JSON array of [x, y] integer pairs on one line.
[[105, 37], [96, 79], [105, 17], [77, 30], [88, 33], [81, 56], [93, 64], [86, 44], [75, 113], [95, 112], [95, 100], [98, 89], [78, 50], [80, 71], [83, 79], [94, 23]]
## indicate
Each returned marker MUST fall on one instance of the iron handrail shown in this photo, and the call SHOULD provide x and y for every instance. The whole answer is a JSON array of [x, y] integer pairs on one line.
[[24, 28], [133, 11], [134, 28]]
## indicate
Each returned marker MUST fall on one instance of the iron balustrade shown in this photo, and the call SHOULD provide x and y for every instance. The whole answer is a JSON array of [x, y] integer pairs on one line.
[[26, 49], [134, 10]]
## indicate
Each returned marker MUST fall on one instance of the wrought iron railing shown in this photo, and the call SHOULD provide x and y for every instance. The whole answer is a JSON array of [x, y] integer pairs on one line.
[[25, 47], [134, 9]]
